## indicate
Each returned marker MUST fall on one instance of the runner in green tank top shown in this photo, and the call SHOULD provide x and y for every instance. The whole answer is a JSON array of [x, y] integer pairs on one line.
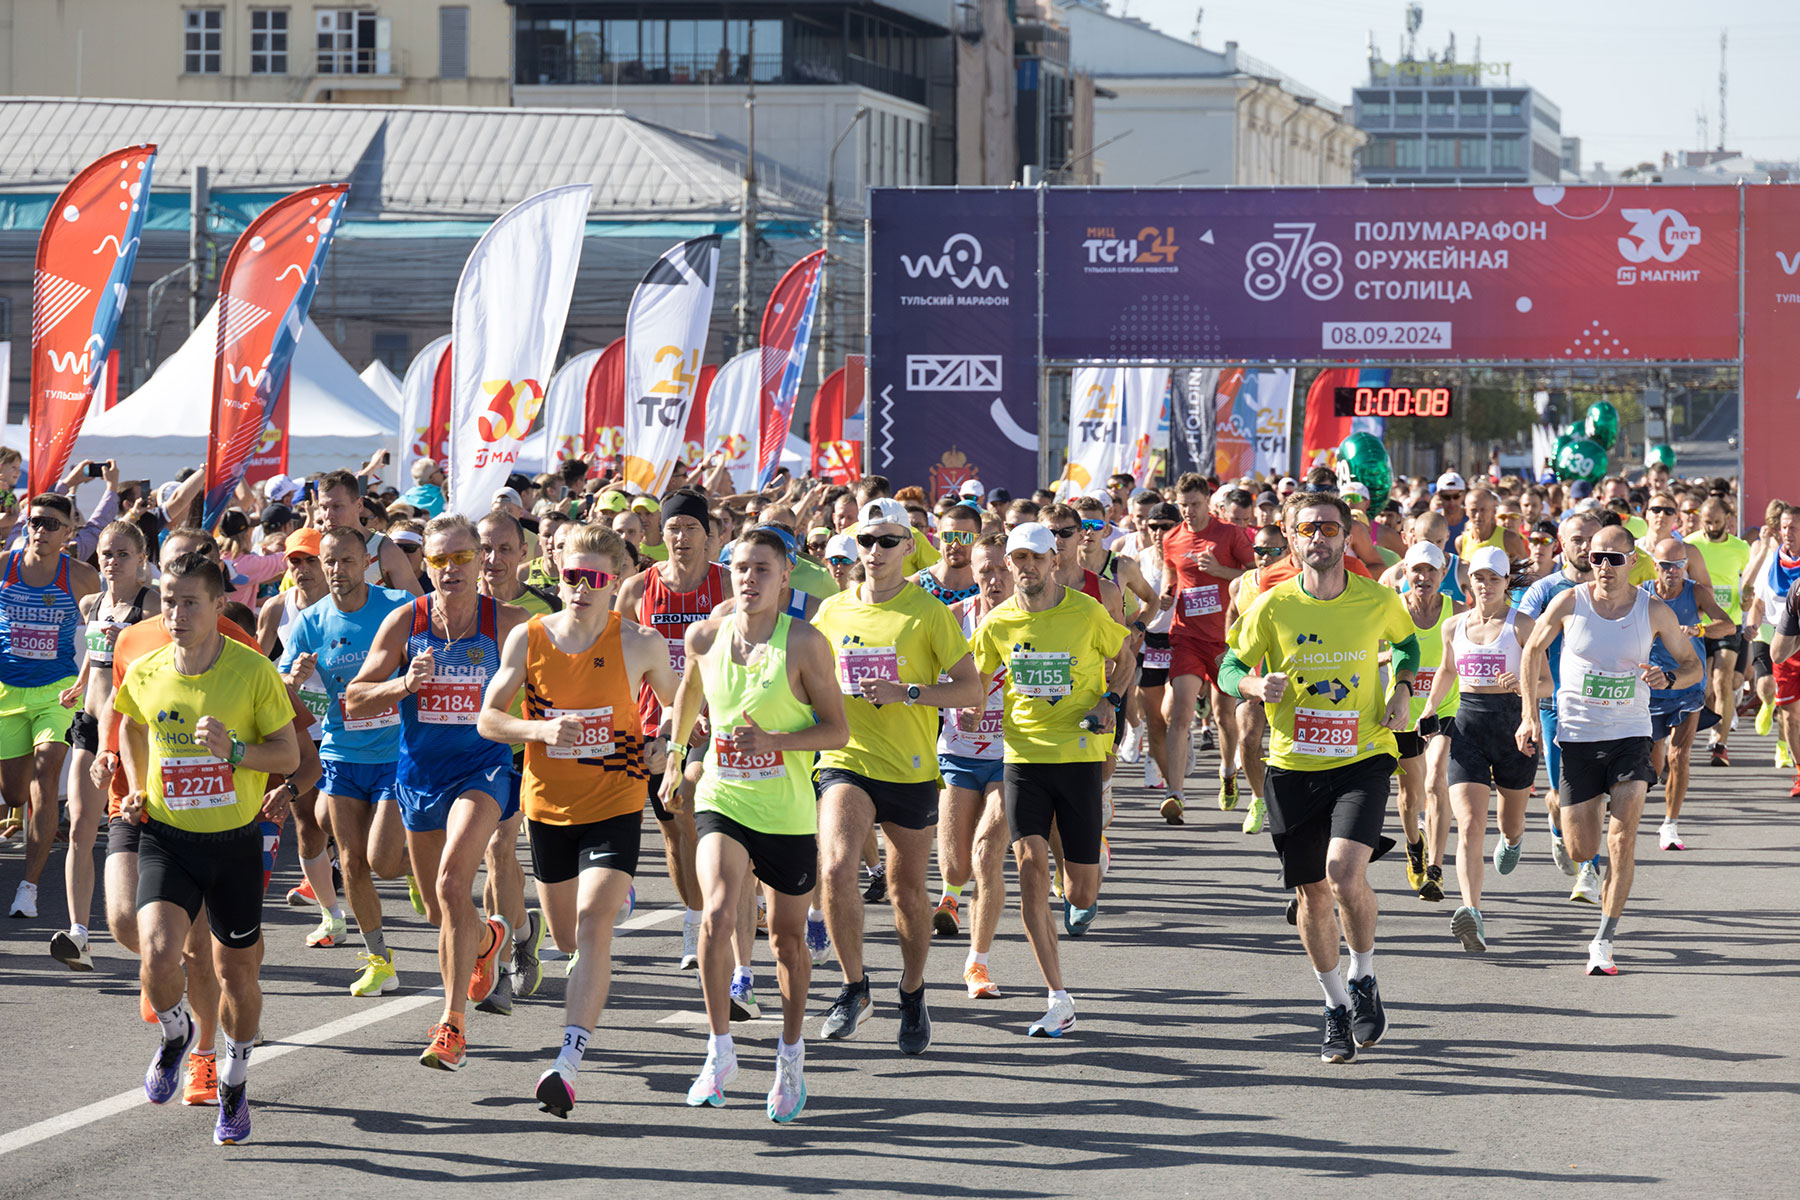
[[1424, 781], [770, 684]]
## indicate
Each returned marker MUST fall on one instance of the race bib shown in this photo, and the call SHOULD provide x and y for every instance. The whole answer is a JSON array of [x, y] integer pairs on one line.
[[1158, 659], [198, 781], [387, 718], [732, 764], [449, 701], [857, 663], [1201, 601], [1422, 678], [1723, 596], [317, 702], [678, 654], [35, 641], [1325, 731], [596, 733], [1608, 689], [100, 643], [1481, 670], [1046, 674]]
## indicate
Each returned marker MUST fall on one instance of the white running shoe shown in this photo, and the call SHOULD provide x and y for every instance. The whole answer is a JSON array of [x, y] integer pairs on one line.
[[1669, 836], [1600, 959], [787, 1096], [25, 900], [1153, 776], [690, 945], [1132, 748], [1587, 885], [709, 1084], [1057, 1020], [1559, 854]]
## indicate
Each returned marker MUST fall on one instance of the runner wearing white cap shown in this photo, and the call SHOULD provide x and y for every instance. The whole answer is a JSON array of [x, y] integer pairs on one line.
[[1450, 489], [1424, 789]]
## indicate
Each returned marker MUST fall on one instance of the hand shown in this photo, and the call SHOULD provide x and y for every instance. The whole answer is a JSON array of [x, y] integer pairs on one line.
[[1693, 631], [882, 691], [420, 669], [751, 738], [1529, 734], [132, 808], [1206, 562], [69, 695], [214, 735], [110, 473], [275, 804], [702, 730], [1399, 710], [1268, 688], [1508, 682], [100, 771], [304, 665], [76, 473], [561, 732], [1168, 602], [968, 719], [671, 791], [1101, 715], [1654, 677]]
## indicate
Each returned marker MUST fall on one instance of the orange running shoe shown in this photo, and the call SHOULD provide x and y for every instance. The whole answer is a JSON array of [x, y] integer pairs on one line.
[[944, 920], [202, 1080], [302, 896], [980, 986], [145, 1010], [488, 964], [447, 1051]]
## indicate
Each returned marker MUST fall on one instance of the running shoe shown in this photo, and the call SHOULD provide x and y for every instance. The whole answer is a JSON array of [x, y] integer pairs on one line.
[[1153, 776], [1106, 807], [1669, 836], [500, 1000], [25, 900], [233, 1128], [787, 1095], [847, 1011], [1368, 1019], [1171, 809], [1783, 757], [1293, 911], [762, 914], [690, 945], [202, 1085], [743, 1000], [556, 1091], [1433, 891], [1259, 811], [1719, 756], [486, 975], [818, 941], [66, 948], [1587, 885], [414, 895], [1340, 1046], [1132, 748], [332, 931], [915, 1022], [447, 1051], [528, 969], [1207, 740], [302, 896], [877, 889], [1765, 718], [1105, 856], [944, 921], [1466, 927], [1415, 865], [1228, 794], [709, 1085], [1057, 1020], [1506, 854], [630, 905], [1079, 920], [1793, 791], [1559, 854], [164, 1073], [378, 977], [975, 975], [1600, 959]]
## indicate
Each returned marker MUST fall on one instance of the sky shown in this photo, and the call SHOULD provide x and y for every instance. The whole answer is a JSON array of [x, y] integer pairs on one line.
[[1629, 77]]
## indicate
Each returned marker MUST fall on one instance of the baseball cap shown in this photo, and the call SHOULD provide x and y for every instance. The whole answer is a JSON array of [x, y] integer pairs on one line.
[[972, 489], [304, 541], [518, 481], [1033, 536], [281, 487], [884, 511], [509, 495], [1581, 489], [1356, 489], [407, 537], [1427, 553], [1268, 498], [1166, 512], [614, 502], [646, 503], [233, 523], [1450, 481], [999, 496], [1287, 485], [166, 493], [277, 514], [841, 545], [1491, 558]]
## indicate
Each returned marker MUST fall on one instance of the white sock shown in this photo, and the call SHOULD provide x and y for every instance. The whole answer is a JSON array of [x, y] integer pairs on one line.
[[719, 1045], [174, 1023], [747, 975], [797, 1050], [813, 914], [236, 1067], [693, 917], [1058, 994], [975, 960], [79, 933], [1336, 995], [1362, 963], [575, 1044], [522, 933]]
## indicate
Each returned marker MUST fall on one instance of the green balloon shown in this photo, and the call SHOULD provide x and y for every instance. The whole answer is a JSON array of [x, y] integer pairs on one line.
[[1582, 459], [1364, 459], [1602, 425], [1564, 438], [1661, 453]]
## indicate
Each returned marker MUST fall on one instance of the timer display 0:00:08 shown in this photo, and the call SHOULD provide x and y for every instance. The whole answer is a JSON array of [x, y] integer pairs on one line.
[[1392, 402]]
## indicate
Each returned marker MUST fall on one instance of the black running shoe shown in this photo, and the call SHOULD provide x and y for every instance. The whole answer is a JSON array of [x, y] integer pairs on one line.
[[500, 1000], [1368, 1020], [847, 1011], [1433, 891], [1339, 1046], [877, 890], [915, 1022], [1293, 911]]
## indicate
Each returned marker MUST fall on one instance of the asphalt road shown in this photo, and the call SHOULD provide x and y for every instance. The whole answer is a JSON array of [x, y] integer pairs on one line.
[[1194, 1068]]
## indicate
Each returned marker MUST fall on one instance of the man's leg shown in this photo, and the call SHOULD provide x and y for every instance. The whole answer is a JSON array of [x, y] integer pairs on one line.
[[464, 935], [990, 875], [163, 933], [1722, 697], [202, 977], [1251, 723], [87, 816], [1627, 805], [503, 893], [1178, 716], [1347, 871], [908, 861], [387, 854], [724, 868], [1156, 724], [1225, 716], [793, 964], [1033, 857], [1680, 756], [121, 899], [239, 972], [354, 818], [315, 862], [597, 897], [960, 812], [1437, 806], [425, 848], [846, 817], [36, 775]]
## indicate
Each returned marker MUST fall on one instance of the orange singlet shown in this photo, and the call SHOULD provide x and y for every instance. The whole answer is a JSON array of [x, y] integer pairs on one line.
[[563, 786]]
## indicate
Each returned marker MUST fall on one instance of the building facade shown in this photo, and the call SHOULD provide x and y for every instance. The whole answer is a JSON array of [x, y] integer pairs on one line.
[[1441, 121]]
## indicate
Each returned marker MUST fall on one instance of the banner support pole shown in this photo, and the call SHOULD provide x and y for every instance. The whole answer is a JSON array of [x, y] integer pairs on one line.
[[1043, 374]]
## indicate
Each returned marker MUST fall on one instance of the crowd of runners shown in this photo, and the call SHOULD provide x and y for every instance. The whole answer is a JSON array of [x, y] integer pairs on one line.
[[830, 697]]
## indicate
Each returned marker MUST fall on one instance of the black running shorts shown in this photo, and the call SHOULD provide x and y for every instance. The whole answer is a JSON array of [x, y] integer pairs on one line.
[[1591, 769], [1067, 793], [908, 805], [222, 870], [1483, 748], [1307, 809], [561, 852], [122, 836], [786, 862]]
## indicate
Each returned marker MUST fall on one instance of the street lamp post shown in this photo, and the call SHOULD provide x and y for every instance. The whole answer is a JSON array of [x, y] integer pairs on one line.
[[827, 302]]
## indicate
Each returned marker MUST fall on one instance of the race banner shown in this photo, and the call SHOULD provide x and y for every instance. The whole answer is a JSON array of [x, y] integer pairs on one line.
[[507, 325], [424, 409], [1323, 430], [1771, 365], [734, 416], [833, 458], [1589, 274], [83, 275], [604, 423], [1113, 412], [692, 441], [1192, 433], [786, 331], [271, 455], [565, 410], [1252, 412], [264, 293], [665, 338]]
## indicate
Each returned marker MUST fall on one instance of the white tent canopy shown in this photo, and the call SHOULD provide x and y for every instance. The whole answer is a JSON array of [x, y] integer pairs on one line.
[[382, 382], [334, 419]]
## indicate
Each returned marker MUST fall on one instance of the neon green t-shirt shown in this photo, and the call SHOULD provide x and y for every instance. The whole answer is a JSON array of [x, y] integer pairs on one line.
[[1055, 664], [1725, 561], [1431, 657]]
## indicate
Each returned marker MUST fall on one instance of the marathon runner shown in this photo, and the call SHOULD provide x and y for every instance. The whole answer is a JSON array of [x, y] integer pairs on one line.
[[1676, 714], [951, 579], [674, 594], [1155, 655], [434, 659], [326, 647], [583, 793], [770, 682], [340, 503], [1424, 786], [1726, 557], [206, 721], [1271, 550], [1603, 725], [1059, 651], [892, 643], [1332, 748]]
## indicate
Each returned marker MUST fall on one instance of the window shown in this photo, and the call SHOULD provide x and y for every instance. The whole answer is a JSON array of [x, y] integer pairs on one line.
[[351, 41], [1509, 152], [394, 348], [1506, 108], [1474, 106], [268, 41], [1376, 108], [1406, 104], [1408, 153], [1438, 106], [204, 32], [1440, 152], [453, 41]]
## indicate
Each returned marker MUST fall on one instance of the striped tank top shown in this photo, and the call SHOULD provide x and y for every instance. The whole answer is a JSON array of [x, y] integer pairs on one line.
[[669, 613], [439, 747], [37, 626]]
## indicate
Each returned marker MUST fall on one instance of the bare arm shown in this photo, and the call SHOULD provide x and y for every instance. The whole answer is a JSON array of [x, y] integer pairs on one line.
[[1665, 624], [396, 570], [495, 723], [1713, 619], [184, 495], [372, 691]]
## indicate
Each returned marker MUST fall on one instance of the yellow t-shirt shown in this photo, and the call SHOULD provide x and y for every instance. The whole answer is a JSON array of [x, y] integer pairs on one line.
[[1725, 562], [909, 639], [1055, 664], [1331, 714], [1468, 543], [186, 786]]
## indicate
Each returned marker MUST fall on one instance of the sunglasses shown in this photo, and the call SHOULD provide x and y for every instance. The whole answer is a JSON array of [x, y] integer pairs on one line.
[[958, 537], [1159, 528], [1690, 512], [1091, 525], [1662, 565], [887, 541], [1310, 529], [1609, 558], [1067, 531], [838, 560], [1267, 551], [1541, 539], [461, 558], [47, 524], [1663, 509], [595, 580]]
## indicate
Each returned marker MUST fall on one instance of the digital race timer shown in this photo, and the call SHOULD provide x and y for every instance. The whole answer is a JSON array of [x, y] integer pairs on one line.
[[1393, 402]]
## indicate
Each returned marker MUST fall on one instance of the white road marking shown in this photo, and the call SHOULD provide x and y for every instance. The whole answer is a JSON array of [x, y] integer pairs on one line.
[[645, 920]]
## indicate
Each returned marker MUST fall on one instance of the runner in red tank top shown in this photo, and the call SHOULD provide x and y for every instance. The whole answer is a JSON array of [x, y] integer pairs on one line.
[[668, 598], [1201, 556]]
